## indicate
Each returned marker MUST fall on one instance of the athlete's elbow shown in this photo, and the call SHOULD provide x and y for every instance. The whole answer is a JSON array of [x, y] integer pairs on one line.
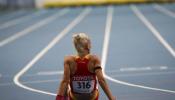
[[101, 81], [63, 87], [65, 82]]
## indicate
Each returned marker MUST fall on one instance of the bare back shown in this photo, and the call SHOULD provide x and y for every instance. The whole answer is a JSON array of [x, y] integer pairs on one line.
[[91, 65]]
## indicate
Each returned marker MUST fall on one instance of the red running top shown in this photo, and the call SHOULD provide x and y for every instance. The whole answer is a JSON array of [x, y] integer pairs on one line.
[[83, 81]]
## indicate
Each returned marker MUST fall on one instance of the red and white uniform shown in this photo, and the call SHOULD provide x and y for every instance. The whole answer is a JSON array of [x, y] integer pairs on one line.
[[83, 81]]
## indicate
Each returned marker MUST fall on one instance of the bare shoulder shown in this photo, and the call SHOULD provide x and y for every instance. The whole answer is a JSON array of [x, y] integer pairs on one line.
[[95, 61], [69, 58], [95, 57]]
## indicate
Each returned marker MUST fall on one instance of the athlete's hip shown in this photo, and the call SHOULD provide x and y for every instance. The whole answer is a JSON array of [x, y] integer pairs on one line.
[[84, 96]]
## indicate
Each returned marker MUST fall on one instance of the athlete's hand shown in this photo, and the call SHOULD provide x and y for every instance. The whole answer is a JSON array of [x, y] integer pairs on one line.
[[59, 97], [114, 98]]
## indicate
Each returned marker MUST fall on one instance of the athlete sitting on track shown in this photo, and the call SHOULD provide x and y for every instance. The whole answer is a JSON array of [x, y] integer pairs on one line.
[[81, 73]]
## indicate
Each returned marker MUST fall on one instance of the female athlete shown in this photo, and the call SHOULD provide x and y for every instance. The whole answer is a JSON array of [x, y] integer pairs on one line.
[[81, 73]]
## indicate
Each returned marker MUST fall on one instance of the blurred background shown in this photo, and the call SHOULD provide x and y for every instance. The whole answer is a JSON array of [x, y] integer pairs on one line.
[[27, 4], [27, 26]]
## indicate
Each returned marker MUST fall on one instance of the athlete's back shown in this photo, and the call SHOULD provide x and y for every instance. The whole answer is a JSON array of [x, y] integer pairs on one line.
[[83, 81]]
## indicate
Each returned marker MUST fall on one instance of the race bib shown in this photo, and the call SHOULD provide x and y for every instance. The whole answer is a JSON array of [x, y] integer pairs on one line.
[[83, 86]]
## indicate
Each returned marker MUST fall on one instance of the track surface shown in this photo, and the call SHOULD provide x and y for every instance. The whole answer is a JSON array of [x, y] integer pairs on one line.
[[136, 44]]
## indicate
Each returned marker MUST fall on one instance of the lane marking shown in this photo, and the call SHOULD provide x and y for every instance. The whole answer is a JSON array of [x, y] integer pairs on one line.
[[141, 69], [107, 37], [148, 68], [31, 82], [164, 10], [49, 73], [113, 75], [104, 57], [133, 69], [19, 20], [119, 71], [33, 27], [153, 30], [164, 68], [41, 81], [143, 74], [65, 31]]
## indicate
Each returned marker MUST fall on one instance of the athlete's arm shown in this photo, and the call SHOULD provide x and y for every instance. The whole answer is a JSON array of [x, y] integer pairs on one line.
[[101, 79], [66, 77]]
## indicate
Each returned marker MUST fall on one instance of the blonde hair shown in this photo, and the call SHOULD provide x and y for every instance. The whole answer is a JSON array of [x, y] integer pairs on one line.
[[81, 41]]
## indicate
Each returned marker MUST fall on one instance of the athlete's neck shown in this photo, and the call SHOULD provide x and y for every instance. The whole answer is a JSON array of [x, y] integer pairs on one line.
[[82, 54]]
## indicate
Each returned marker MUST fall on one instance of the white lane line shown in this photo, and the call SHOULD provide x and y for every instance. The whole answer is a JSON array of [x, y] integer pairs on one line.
[[70, 26], [49, 73], [104, 57], [113, 75], [117, 73], [21, 19], [164, 10], [141, 69], [31, 82], [33, 27], [107, 37], [148, 68], [132, 69], [41, 81], [153, 30], [143, 74], [164, 68]]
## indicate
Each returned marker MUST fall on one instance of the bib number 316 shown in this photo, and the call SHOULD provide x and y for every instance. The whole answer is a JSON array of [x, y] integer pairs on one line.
[[83, 86]]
